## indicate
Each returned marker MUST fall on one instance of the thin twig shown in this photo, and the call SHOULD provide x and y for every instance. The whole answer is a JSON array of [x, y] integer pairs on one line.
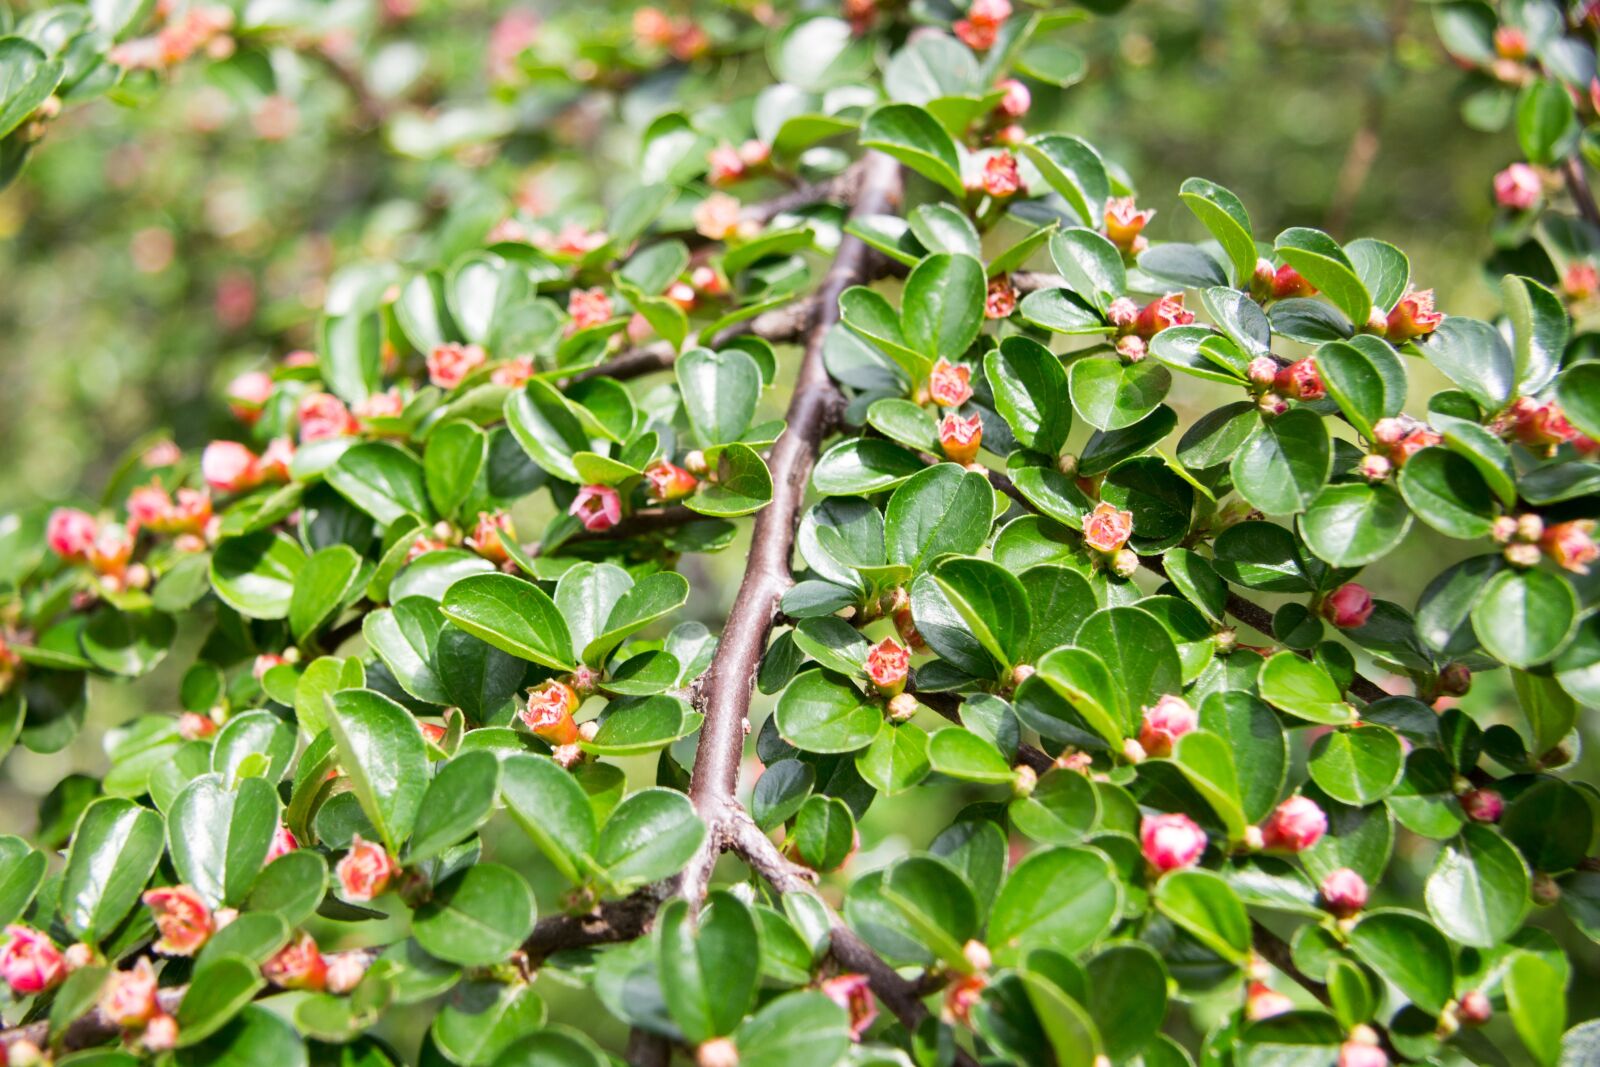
[[1578, 186]]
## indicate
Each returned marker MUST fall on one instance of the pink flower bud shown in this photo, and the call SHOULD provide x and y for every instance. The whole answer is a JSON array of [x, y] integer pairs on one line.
[[1171, 842], [960, 437], [1375, 468], [668, 482], [888, 663], [490, 534], [718, 1052], [978, 36], [129, 997], [717, 217], [1016, 101], [1123, 313], [323, 415], [1359, 1054], [1571, 544], [1001, 298], [1124, 221], [70, 533], [1001, 178], [1262, 371], [298, 965], [192, 726], [1413, 316], [588, 308], [513, 373], [365, 871], [1161, 313], [903, 708], [1482, 805], [283, 843], [549, 712], [1107, 528], [1474, 1009], [30, 963], [345, 971], [1294, 825], [707, 280], [682, 294], [1455, 679], [961, 996], [1580, 281], [723, 165], [160, 1033], [1131, 348], [1348, 607], [182, 918], [1263, 1002], [1288, 282], [755, 153], [949, 383], [1168, 720], [1518, 187], [853, 993], [248, 394], [1301, 380], [598, 507], [1510, 42], [1344, 892], [449, 364]]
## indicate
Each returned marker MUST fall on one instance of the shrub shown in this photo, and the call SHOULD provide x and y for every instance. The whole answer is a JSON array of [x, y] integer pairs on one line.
[[997, 567]]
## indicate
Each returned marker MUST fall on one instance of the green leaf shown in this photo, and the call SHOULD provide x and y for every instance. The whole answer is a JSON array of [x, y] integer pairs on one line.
[[1225, 216], [1206, 907], [1060, 311], [709, 964], [1365, 378], [1325, 265], [1478, 891], [477, 917], [943, 228], [1030, 393], [799, 1029], [382, 752], [896, 760], [219, 991], [1577, 390], [547, 428], [1522, 618], [1260, 749], [1090, 264], [936, 902], [824, 832], [820, 53], [22, 870], [352, 355], [1382, 268], [1074, 169], [1474, 356], [552, 808], [960, 753], [1141, 648], [1536, 995], [115, 849], [654, 597], [1404, 949], [1206, 761], [219, 837], [868, 314], [322, 586], [1547, 121], [1059, 898], [1303, 689], [941, 509], [1446, 491], [1357, 766], [1350, 524], [821, 712], [1061, 810], [460, 799], [27, 78], [406, 637], [1285, 463], [942, 309], [513, 615], [290, 887], [915, 138], [255, 575], [381, 479], [651, 835], [1540, 330], [456, 453], [719, 391], [483, 1018], [1081, 680], [257, 1037], [1110, 394], [644, 725]]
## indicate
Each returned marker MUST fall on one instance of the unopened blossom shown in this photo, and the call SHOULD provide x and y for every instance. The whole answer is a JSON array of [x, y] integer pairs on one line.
[[276, 459], [573, 239], [283, 843], [981, 28], [1001, 178], [949, 384], [1580, 281], [388, 404], [70, 533], [149, 507], [960, 437], [1348, 607], [298, 965], [681, 294], [1571, 544], [1414, 316], [30, 963], [1160, 313], [652, 28], [1000, 299], [598, 507], [853, 993], [1171, 842], [248, 393], [1107, 528], [229, 467], [513, 372], [1164, 723], [1132, 348], [514, 33], [1474, 1008], [1361, 1054], [1288, 282], [365, 871], [717, 217], [190, 512], [1510, 42], [193, 726], [1263, 1002], [1123, 313], [129, 997], [449, 364], [345, 971], [1301, 380], [490, 533], [1537, 424], [1344, 892], [160, 1033], [1518, 187], [666, 481], [588, 308], [323, 415], [112, 550], [724, 165], [888, 663], [1262, 371], [182, 918], [707, 280], [1016, 101], [549, 712], [1294, 825], [1124, 221]]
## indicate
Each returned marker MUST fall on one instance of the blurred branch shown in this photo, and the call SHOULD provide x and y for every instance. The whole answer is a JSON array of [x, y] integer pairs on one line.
[[1364, 144], [1578, 185]]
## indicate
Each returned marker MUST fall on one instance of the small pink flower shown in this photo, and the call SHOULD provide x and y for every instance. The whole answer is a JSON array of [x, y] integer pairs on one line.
[[112, 550], [388, 404], [707, 280], [1107, 527], [853, 993], [365, 871], [1413, 316], [1474, 1009], [160, 1033], [275, 460], [1171, 842], [961, 996], [182, 918], [960, 437], [1001, 178], [978, 36], [717, 217], [1124, 221], [323, 415], [1168, 720], [1161, 313], [1124, 313], [724, 166], [30, 963], [449, 364], [1518, 187], [1016, 101], [129, 997], [1262, 371], [1580, 281], [588, 307], [1348, 607], [513, 373], [1263, 1002], [283, 843], [264, 662], [1483, 805], [1361, 1054], [549, 712], [345, 971], [888, 663], [667, 481], [229, 467], [1001, 298], [70, 533], [949, 383], [1287, 282], [298, 965], [598, 507], [1295, 825], [192, 726], [248, 394], [1344, 892], [1132, 348], [489, 535], [1571, 544], [1301, 380]]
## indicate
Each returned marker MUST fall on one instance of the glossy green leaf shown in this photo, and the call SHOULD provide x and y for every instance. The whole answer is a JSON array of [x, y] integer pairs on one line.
[[382, 752], [511, 614]]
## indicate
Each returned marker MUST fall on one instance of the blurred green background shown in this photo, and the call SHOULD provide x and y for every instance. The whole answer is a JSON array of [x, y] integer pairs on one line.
[[151, 253]]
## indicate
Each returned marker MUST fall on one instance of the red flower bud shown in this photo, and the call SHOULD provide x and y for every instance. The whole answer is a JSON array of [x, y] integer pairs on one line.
[[1482, 805], [1571, 544], [1580, 281], [1301, 380], [1262, 371], [160, 1033], [723, 165], [549, 712], [1169, 719], [283, 843], [1124, 221], [1518, 187], [1360, 1054], [598, 507], [1123, 313], [1016, 101], [182, 918], [1131, 349], [1161, 313], [298, 965], [513, 373], [365, 871], [1001, 299], [588, 307], [1001, 178], [717, 217], [1171, 842], [669, 482], [490, 534], [1510, 42], [1107, 528], [948, 383], [70, 533], [1474, 1009], [229, 467], [887, 666], [345, 971], [192, 726], [1288, 282], [30, 963], [961, 996], [1263, 1002], [1348, 607], [449, 364], [960, 437], [1295, 825], [1376, 468], [853, 993], [129, 997], [323, 415], [1344, 892], [1413, 316], [248, 394]]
